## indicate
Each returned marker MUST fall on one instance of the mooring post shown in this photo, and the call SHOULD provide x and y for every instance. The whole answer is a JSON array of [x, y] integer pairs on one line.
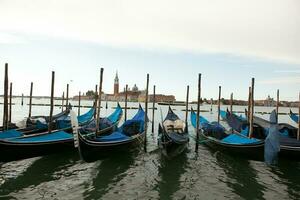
[[5, 104], [96, 101], [79, 97], [198, 113], [51, 103], [10, 102], [146, 113], [67, 97], [153, 108], [277, 104], [30, 99], [126, 90], [187, 105], [249, 105], [219, 104], [22, 101], [99, 101], [211, 105], [252, 109]]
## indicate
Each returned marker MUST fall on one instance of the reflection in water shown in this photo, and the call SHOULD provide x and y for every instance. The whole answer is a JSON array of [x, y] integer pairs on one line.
[[38, 172], [288, 172], [241, 177], [170, 171], [110, 172]]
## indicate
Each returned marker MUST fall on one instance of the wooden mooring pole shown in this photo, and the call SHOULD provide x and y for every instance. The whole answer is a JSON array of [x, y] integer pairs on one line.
[[99, 100], [277, 105], [51, 103], [198, 113], [5, 104], [252, 109], [30, 99], [126, 91], [67, 98], [10, 102], [231, 102]]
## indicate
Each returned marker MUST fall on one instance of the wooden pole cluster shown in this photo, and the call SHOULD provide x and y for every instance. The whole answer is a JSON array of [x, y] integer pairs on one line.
[[198, 113], [146, 113], [79, 98], [252, 109], [277, 104], [10, 102], [5, 104], [126, 95], [30, 99], [187, 105], [51, 103], [67, 97], [99, 100], [153, 108], [219, 104], [298, 134], [231, 102], [249, 104]]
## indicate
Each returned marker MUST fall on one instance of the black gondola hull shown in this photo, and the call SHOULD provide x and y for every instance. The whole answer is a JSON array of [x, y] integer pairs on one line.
[[11, 151]]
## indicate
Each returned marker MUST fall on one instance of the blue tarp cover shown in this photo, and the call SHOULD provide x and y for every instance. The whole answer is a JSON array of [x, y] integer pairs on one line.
[[115, 136], [54, 136], [237, 139], [10, 134]]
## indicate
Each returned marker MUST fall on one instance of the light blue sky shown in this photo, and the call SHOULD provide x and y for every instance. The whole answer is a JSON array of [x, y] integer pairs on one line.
[[227, 43]]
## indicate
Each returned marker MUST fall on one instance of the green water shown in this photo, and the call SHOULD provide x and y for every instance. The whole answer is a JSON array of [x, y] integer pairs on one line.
[[204, 175]]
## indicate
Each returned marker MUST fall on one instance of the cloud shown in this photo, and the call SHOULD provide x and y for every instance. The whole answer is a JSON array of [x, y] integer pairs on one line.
[[266, 29]]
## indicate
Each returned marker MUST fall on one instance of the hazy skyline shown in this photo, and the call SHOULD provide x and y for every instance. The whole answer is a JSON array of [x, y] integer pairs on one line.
[[227, 41]]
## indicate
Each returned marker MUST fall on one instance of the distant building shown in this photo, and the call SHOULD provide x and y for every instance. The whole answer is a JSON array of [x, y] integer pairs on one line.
[[116, 85], [158, 98], [269, 102]]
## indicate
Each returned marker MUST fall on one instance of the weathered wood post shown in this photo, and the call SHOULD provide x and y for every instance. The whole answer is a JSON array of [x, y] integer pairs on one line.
[[126, 91], [96, 101], [198, 113], [51, 103], [99, 100], [252, 108], [10, 103], [187, 105], [219, 104], [79, 98], [231, 102], [67, 97], [153, 108], [5, 103], [146, 113], [30, 99], [249, 105], [277, 104]]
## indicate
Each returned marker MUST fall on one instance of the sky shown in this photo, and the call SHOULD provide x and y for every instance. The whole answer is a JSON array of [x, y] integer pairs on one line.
[[228, 42]]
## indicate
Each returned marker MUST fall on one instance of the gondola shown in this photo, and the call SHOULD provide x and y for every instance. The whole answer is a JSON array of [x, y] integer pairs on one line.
[[46, 143], [289, 145], [125, 138], [215, 136], [173, 136], [294, 117], [39, 124]]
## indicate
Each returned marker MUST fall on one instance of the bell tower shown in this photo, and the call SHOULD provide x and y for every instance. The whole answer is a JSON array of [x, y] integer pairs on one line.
[[116, 84]]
